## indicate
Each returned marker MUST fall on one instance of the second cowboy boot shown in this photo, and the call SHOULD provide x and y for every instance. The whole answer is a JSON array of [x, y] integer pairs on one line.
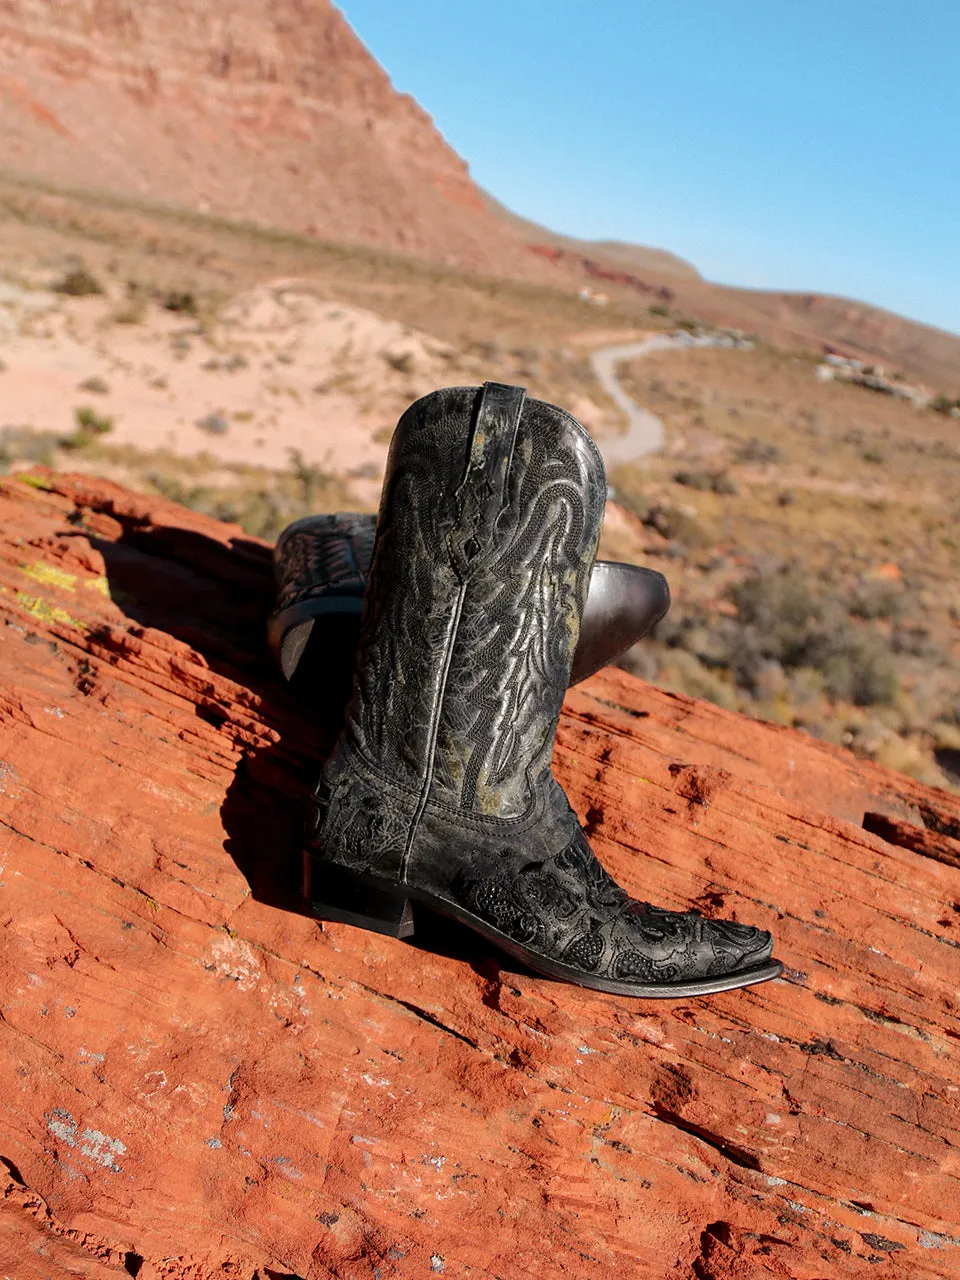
[[320, 564], [439, 793]]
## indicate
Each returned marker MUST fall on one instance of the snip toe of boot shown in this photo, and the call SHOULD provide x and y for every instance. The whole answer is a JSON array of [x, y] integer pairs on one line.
[[737, 946]]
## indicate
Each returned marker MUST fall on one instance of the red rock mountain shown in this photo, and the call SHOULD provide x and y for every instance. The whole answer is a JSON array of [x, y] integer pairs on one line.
[[270, 110]]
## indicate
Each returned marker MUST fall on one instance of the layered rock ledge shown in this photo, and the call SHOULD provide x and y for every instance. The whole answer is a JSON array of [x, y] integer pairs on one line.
[[197, 1081]]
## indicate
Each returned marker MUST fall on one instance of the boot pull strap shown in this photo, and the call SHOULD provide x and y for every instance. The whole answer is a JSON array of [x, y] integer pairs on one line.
[[482, 493]]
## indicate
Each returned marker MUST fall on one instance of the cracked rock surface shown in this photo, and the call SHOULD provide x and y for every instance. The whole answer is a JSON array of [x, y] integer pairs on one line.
[[196, 1081]]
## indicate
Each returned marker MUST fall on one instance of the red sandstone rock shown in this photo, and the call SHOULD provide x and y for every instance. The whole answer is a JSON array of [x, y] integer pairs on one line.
[[198, 1082]]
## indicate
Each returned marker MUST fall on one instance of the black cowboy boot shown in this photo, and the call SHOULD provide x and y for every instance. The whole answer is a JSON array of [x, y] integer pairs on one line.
[[320, 564], [439, 792]]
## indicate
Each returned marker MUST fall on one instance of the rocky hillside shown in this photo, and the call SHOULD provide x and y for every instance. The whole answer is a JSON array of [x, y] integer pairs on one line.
[[197, 1082], [813, 320], [272, 110]]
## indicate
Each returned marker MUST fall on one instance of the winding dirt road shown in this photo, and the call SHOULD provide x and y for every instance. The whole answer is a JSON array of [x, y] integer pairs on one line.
[[645, 431]]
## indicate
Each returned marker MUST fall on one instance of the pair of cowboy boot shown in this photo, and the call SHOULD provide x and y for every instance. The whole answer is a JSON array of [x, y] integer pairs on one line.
[[321, 563], [439, 794]]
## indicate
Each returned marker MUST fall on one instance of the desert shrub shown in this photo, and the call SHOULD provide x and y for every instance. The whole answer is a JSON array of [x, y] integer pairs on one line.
[[771, 681], [78, 283], [861, 671], [756, 450], [132, 311], [718, 482], [492, 350], [877, 600], [640, 661], [215, 424], [658, 309], [97, 424], [712, 641], [257, 510], [90, 426], [23, 444], [182, 301], [230, 364], [779, 605], [400, 361], [915, 641], [312, 481], [791, 643], [784, 618], [262, 503], [685, 673], [806, 686], [676, 524]]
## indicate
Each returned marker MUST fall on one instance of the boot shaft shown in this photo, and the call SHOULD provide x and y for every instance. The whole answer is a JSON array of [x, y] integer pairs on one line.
[[487, 533], [321, 564]]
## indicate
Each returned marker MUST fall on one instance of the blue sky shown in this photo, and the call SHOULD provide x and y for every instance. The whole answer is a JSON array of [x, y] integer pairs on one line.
[[809, 146]]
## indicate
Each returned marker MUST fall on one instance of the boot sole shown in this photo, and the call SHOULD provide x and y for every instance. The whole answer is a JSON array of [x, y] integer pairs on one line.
[[383, 906]]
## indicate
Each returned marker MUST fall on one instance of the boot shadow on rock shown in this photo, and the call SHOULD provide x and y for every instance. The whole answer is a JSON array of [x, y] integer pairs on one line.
[[215, 597]]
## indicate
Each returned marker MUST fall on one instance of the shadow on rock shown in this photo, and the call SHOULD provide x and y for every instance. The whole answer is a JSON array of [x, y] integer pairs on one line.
[[215, 597]]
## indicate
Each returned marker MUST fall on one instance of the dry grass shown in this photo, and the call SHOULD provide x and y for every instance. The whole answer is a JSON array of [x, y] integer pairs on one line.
[[839, 509], [170, 250]]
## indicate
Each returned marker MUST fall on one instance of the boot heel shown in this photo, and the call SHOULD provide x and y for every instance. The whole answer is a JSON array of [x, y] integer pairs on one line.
[[348, 897]]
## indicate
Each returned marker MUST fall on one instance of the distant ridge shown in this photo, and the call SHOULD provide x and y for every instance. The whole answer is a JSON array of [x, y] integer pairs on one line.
[[632, 257]]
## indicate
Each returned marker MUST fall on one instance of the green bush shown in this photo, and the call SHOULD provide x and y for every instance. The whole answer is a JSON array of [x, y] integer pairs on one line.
[[89, 420], [90, 426]]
